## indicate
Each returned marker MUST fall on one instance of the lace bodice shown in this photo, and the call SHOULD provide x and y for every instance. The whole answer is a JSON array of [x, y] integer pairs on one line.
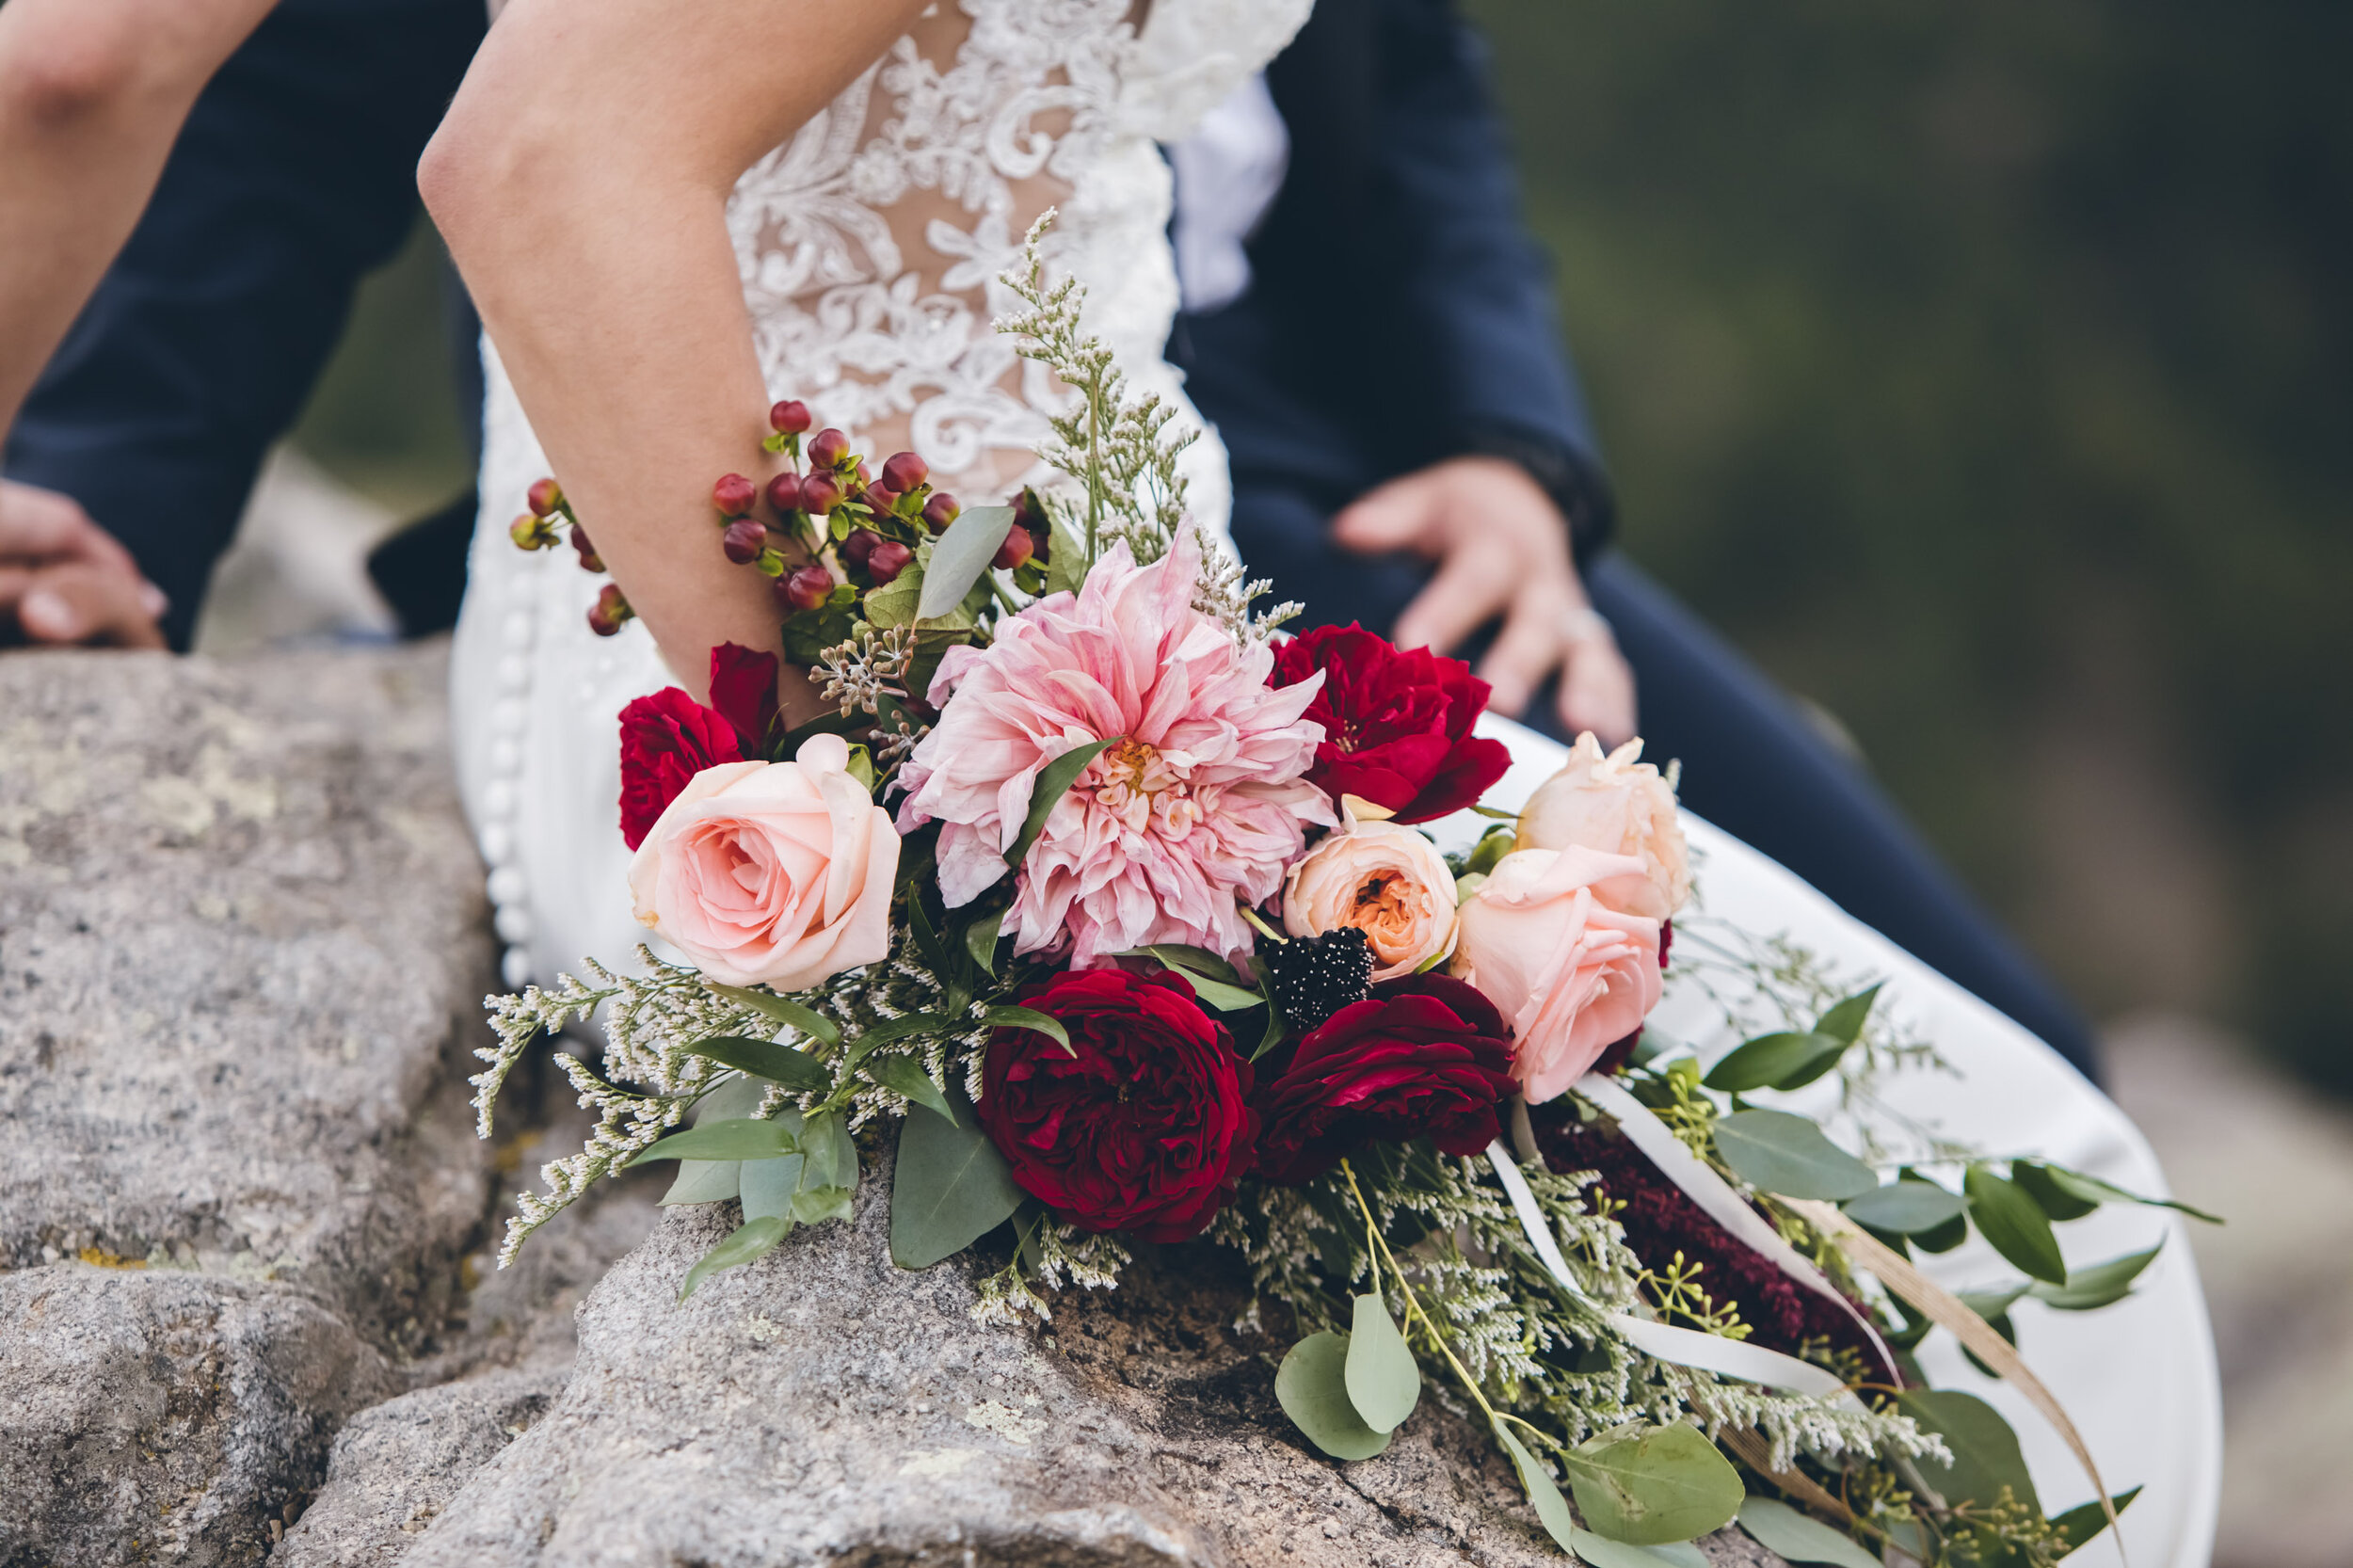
[[869, 247]]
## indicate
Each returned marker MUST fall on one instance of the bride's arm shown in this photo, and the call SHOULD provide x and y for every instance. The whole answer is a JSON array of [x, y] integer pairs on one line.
[[581, 182]]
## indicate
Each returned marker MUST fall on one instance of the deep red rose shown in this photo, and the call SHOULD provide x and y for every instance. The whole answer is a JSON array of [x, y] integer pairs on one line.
[[743, 690], [1147, 1129], [666, 739], [1424, 1054], [1396, 724]]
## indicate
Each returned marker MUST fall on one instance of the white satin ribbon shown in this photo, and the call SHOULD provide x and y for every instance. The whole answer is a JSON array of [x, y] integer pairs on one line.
[[1684, 1347], [1698, 1182]]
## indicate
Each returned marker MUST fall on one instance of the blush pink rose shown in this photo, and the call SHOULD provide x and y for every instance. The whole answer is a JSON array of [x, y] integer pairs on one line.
[[770, 873], [1568, 973], [1620, 806], [1388, 882]]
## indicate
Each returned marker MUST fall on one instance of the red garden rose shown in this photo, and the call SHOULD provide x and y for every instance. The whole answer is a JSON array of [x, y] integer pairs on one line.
[[743, 692], [1396, 724], [1424, 1054], [1147, 1129], [666, 739]]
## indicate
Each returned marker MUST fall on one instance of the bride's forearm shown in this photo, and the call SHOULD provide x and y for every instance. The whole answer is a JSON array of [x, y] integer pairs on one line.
[[581, 182]]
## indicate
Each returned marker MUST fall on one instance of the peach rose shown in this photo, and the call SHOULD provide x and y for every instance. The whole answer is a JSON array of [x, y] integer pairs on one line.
[[770, 873], [1388, 882], [1619, 806], [1570, 974]]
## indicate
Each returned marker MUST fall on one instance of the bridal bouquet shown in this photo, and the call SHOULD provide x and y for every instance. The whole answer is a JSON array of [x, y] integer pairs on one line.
[[1112, 900]]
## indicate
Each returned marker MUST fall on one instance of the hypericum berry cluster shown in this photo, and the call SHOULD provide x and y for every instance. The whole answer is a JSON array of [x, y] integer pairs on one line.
[[536, 529]]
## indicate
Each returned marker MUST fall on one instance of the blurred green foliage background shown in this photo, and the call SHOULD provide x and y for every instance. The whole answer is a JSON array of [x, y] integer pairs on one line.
[[1987, 373]]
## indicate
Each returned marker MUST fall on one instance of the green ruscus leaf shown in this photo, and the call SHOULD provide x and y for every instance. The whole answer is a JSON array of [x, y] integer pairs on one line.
[[905, 1075], [1788, 1155], [1384, 1382], [2009, 1218], [752, 1238], [2080, 1524], [1312, 1387], [1053, 781], [796, 1070], [1782, 1060], [745, 1138], [1906, 1207]]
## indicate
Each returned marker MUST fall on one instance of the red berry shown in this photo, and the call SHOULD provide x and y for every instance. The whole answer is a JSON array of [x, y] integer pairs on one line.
[[589, 559], [805, 588], [789, 418], [859, 546], [545, 498], [1018, 548], [784, 492], [829, 447], [744, 540], [888, 559], [904, 471], [880, 497], [610, 613], [820, 493], [733, 495], [939, 511]]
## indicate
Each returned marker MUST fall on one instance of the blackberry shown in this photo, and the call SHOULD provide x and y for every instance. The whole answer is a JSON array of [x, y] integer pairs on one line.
[[1314, 977]]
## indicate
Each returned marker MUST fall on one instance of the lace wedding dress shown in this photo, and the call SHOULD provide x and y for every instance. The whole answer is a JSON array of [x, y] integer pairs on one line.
[[869, 249]]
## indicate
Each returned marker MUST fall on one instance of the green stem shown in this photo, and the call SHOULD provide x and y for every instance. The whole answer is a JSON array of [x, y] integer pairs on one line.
[[1413, 1304]]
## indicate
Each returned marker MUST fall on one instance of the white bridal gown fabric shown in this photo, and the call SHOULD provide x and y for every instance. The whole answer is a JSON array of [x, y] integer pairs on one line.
[[869, 246], [2138, 1378]]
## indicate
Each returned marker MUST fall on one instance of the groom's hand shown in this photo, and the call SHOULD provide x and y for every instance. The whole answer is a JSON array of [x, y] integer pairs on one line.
[[65, 580], [1502, 549]]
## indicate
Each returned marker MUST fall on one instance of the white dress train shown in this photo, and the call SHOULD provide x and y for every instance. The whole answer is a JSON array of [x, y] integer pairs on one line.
[[869, 247]]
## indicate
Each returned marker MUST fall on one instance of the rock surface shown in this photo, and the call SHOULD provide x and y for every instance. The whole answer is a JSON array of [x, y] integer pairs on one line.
[[241, 941]]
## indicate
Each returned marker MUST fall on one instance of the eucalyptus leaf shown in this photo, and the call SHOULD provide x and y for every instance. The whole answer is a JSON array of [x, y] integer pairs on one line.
[[2052, 1199], [1779, 1528], [2097, 1284], [1904, 1207], [1781, 1153], [743, 1137], [2014, 1223], [905, 1075], [950, 1189], [1985, 1450], [796, 1070], [1661, 1484], [752, 1238], [783, 1009], [1844, 1021], [960, 555], [1311, 1386], [1782, 1061], [1551, 1507], [1944, 1238], [815, 1205], [2082, 1524], [1384, 1382], [1601, 1552], [1053, 781], [1010, 1017], [2097, 1191], [769, 1184]]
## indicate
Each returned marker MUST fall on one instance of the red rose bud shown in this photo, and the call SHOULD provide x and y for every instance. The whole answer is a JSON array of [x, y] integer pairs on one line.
[[744, 540], [939, 511], [806, 588], [820, 493], [589, 559], [611, 612], [531, 533], [545, 498], [789, 418], [1018, 548], [733, 495], [859, 546], [829, 447], [784, 492], [888, 560], [904, 471]]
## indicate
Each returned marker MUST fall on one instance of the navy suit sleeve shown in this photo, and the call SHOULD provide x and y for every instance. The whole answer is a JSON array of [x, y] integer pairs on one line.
[[1468, 280]]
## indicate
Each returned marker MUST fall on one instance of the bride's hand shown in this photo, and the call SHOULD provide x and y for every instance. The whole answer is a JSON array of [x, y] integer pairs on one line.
[[1502, 550]]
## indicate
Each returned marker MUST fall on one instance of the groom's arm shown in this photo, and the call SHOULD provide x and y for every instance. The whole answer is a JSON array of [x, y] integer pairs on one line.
[[1468, 280]]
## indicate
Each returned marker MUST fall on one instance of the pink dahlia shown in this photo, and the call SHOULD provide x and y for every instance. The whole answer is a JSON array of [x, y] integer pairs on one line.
[[1198, 806]]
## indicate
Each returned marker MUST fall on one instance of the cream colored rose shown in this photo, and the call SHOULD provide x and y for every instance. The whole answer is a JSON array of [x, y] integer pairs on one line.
[[1619, 806], [1571, 975], [770, 873], [1388, 882]]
